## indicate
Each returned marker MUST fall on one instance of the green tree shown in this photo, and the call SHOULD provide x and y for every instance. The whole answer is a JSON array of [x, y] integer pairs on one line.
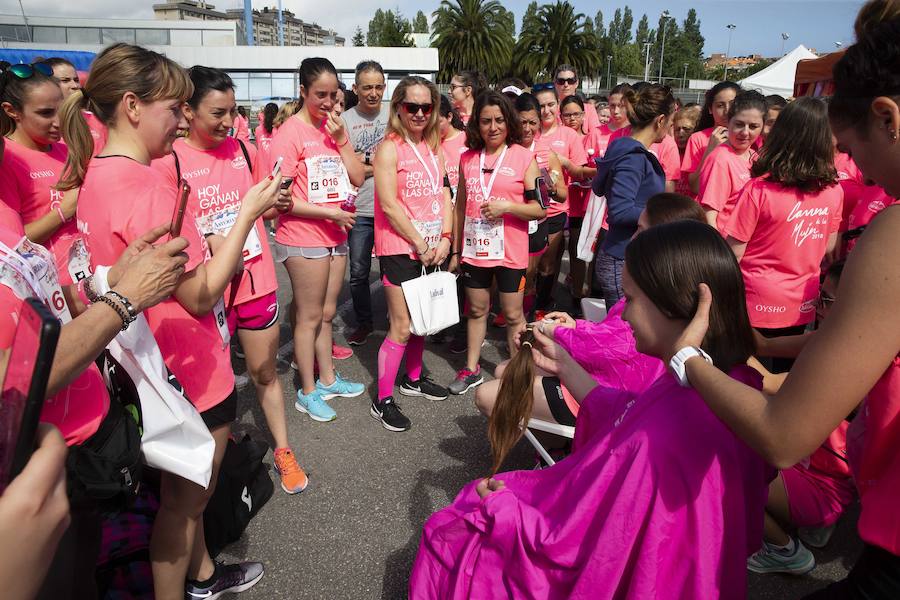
[[388, 28], [556, 35], [420, 23], [692, 43], [358, 38], [599, 29], [472, 34]]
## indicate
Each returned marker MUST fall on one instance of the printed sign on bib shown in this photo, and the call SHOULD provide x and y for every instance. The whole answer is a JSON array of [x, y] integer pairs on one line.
[[430, 231], [220, 223], [30, 270], [327, 179], [79, 260], [484, 238]]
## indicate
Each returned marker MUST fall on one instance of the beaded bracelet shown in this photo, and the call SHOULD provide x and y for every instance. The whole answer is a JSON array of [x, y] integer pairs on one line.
[[129, 308], [116, 307]]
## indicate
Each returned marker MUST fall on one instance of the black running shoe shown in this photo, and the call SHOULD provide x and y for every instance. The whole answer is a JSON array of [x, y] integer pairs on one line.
[[389, 414], [424, 387], [227, 579]]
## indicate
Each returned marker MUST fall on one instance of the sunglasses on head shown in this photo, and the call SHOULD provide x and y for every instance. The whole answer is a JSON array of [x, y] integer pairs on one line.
[[23, 71], [412, 108], [539, 87], [566, 80]]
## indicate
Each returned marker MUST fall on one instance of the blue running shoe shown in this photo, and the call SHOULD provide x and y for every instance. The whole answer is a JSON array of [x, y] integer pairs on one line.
[[340, 388], [772, 560], [315, 406]]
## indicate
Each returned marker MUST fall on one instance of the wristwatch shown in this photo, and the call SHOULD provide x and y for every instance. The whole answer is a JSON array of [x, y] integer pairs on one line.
[[677, 364]]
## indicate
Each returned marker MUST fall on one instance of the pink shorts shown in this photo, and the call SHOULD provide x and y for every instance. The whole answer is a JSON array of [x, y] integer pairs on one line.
[[816, 500], [259, 313]]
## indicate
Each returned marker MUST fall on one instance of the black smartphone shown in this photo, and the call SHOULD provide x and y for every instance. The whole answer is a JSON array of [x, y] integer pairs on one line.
[[25, 386], [543, 192], [184, 190], [286, 182]]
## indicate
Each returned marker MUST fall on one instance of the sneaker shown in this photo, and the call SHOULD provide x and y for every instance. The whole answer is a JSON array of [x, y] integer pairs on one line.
[[226, 579], [340, 388], [769, 559], [339, 352], [499, 321], [315, 406], [358, 337], [241, 381], [293, 479], [465, 381], [816, 537], [424, 387], [389, 414], [239, 351]]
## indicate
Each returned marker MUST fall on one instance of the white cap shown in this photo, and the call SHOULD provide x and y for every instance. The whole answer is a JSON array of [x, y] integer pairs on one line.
[[513, 89]]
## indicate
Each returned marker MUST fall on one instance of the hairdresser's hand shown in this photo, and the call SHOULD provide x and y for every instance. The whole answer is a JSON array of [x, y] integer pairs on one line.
[[488, 486], [154, 274], [334, 125], [719, 136], [694, 333], [547, 354], [561, 319], [261, 197], [495, 208], [34, 513]]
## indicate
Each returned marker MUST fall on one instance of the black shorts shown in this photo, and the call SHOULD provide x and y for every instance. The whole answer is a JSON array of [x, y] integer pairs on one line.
[[223, 413], [509, 281], [560, 410], [537, 241], [397, 268], [575, 223], [556, 223]]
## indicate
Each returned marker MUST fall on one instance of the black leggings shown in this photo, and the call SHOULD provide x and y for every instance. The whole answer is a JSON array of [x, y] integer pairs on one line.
[[875, 576]]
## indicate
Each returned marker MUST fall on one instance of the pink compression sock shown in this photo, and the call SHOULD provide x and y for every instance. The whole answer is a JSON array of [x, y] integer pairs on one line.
[[389, 356], [415, 347]]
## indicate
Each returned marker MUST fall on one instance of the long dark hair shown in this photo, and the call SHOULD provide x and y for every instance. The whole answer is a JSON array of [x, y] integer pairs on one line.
[[515, 401], [513, 127], [668, 262], [269, 114], [448, 111], [706, 118], [799, 152], [748, 100], [666, 207], [644, 105]]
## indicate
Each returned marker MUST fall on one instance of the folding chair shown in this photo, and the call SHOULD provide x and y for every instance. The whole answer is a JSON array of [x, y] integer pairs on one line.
[[547, 427], [593, 309]]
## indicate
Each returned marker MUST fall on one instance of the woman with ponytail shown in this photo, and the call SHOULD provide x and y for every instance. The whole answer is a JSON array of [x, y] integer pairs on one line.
[[659, 499], [264, 133], [139, 95]]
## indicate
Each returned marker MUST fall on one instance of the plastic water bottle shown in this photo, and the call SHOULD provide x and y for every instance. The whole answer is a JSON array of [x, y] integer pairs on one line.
[[349, 205]]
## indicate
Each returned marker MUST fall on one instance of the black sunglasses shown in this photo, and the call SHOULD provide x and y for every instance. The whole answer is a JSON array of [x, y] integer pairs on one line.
[[566, 80], [23, 71], [412, 108], [539, 87]]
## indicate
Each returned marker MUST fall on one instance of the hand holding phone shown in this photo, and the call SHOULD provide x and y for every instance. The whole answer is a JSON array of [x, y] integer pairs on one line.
[[184, 190], [277, 168]]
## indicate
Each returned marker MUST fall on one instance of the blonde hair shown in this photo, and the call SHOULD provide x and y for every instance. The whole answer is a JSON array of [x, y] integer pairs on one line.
[[287, 110], [514, 404], [432, 133], [119, 69]]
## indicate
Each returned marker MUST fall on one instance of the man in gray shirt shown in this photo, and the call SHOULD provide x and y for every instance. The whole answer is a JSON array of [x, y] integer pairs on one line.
[[365, 123]]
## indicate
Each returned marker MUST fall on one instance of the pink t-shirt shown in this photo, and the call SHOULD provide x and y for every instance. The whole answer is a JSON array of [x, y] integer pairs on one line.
[[591, 118], [301, 145], [665, 151], [77, 409], [787, 233], [693, 153], [453, 150], [510, 185], [242, 129], [27, 180], [599, 139], [219, 178], [120, 200], [566, 143], [420, 191], [98, 131], [722, 177], [264, 149], [579, 192]]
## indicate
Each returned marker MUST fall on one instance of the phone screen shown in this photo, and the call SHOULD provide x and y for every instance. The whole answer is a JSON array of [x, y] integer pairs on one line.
[[184, 190], [22, 357], [543, 191]]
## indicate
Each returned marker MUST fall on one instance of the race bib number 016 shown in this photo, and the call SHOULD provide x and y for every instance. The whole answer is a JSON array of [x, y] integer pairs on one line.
[[327, 179], [484, 238]]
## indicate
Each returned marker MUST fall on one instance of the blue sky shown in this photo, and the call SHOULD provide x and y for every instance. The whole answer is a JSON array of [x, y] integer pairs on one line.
[[814, 23]]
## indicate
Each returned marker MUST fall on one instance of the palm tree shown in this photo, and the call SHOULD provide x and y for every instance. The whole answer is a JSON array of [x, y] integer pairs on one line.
[[556, 35], [472, 35]]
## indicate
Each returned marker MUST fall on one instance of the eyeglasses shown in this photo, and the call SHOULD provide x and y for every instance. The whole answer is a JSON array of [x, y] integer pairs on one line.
[[566, 80], [412, 108], [23, 71], [573, 115], [539, 87], [453, 86]]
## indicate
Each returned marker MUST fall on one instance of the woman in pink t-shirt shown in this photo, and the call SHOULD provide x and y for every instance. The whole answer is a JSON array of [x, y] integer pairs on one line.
[[221, 169], [453, 142], [311, 237], [139, 95], [490, 231], [712, 130], [33, 163], [413, 231], [854, 355], [727, 168], [264, 133], [786, 220], [465, 87], [618, 118]]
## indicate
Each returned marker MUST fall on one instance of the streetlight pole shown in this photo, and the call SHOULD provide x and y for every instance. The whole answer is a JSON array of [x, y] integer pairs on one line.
[[662, 48], [731, 27], [784, 37], [608, 63], [647, 60], [684, 78]]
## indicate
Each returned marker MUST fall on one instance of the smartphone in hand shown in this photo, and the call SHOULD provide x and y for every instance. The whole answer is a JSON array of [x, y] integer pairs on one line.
[[277, 168], [184, 190], [25, 386]]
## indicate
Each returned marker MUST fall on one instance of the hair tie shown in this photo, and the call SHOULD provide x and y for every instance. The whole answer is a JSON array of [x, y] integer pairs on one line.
[[529, 344]]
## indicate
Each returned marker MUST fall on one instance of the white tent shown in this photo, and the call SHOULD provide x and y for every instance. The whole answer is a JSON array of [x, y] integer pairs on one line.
[[778, 78]]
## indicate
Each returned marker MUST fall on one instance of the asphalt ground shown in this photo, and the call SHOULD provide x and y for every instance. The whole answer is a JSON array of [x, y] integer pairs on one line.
[[354, 532]]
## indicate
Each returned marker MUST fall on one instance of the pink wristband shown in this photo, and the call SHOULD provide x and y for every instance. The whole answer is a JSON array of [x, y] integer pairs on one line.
[[82, 293], [55, 205]]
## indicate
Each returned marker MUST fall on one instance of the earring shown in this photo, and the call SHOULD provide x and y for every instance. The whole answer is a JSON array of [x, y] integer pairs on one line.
[[893, 135]]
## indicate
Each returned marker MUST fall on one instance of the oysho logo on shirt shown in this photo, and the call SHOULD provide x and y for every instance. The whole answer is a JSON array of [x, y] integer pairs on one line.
[[196, 173], [768, 308], [41, 174], [507, 172], [239, 163]]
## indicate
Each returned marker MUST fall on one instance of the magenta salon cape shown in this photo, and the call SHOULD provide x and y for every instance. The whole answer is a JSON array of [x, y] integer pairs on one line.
[[658, 500]]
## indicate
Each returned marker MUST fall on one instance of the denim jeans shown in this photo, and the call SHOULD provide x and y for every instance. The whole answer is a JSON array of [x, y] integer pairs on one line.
[[361, 240], [608, 277]]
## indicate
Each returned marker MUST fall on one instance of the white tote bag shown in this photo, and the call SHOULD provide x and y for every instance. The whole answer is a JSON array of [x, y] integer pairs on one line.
[[431, 300], [590, 227], [174, 437]]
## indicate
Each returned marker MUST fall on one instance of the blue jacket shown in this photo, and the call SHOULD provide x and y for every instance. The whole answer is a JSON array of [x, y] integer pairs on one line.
[[627, 175]]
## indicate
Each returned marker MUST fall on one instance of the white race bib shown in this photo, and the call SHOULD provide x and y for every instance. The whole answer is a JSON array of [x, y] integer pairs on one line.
[[327, 179], [483, 238], [430, 231], [30, 270], [222, 321], [533, 226], [79, 261], [220, 223]]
